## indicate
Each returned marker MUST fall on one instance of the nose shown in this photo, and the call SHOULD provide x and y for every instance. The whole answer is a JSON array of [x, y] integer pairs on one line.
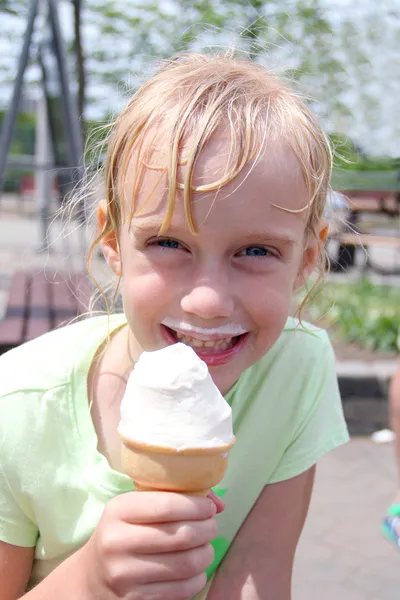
[[208, 302]]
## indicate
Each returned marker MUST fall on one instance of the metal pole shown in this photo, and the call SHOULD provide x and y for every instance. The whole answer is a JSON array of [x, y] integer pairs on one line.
[[70, 109], [42, 177], [9, 120]]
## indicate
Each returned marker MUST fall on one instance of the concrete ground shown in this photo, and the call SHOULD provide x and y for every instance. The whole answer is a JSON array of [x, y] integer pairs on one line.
[[342, 555]]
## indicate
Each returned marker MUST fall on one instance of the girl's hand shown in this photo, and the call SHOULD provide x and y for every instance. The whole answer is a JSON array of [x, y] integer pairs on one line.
[[150, 546]]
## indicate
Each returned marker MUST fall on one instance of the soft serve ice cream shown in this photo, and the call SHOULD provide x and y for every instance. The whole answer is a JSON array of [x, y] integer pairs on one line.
[[171, 402], [175, 426]]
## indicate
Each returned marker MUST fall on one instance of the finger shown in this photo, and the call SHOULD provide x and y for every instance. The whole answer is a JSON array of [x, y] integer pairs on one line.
[[172, 566], [220, 504], [170, 537], [162, 507], [176, 590]]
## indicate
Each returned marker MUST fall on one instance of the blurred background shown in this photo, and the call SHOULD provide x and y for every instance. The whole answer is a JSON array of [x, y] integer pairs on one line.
[[68, 66]]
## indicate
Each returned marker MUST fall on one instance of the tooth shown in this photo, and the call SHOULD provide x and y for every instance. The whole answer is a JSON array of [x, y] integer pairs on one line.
[[209, 344], [179, 335]]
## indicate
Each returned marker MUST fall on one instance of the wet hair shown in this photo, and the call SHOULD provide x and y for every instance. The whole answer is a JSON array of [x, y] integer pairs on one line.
[[189, 99]]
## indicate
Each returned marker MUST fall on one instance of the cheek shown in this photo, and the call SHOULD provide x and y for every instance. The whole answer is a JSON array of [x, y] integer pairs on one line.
[[144, 294], [269, 306], [272, 296]]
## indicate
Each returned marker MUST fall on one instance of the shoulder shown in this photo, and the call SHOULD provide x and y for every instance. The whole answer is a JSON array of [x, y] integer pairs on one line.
[[47, 361], [42, 384], [302, 350], [291, 376], [302, 337]]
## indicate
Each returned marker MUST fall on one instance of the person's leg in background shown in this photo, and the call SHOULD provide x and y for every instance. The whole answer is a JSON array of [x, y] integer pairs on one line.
[[391, 524]]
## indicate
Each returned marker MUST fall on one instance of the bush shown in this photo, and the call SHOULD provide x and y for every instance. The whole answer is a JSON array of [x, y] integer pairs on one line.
[[361, 313]]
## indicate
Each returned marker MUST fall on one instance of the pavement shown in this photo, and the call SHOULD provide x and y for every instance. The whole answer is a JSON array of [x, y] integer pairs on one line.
[[342, 554]]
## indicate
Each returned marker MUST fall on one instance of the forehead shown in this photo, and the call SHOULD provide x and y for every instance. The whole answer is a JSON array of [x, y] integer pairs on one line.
[[273, 179]]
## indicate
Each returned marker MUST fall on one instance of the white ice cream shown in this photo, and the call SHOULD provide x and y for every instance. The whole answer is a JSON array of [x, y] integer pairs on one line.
[[171, 401]]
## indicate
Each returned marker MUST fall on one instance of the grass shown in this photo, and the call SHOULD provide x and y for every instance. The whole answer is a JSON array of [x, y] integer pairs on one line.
[[343, 179], [361, 313]]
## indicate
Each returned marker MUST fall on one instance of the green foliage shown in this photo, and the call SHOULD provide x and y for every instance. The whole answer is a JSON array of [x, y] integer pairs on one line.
[[24, 135], [352, 179], [348, 156], [354, 170], [23, 143], [11, 7], [361, 313], [262, 28]]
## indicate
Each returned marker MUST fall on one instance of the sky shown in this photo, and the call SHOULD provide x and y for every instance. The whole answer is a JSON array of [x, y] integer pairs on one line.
[[372, 90]]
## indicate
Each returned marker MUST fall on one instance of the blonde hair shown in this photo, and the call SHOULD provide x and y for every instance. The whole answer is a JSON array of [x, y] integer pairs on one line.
[[183, 104]]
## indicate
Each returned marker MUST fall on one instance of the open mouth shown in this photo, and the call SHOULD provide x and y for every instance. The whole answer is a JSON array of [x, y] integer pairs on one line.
[[213, 352]]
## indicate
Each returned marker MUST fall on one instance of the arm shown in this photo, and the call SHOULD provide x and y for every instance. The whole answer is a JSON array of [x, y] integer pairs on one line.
[[147, 544], [259, 563], [15, 569], [394, 410]]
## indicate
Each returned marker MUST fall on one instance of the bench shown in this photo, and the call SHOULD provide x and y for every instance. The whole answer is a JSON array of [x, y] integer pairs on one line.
[[349, 241], [367, 239], [373, 201], [362, 202], [40, 302]]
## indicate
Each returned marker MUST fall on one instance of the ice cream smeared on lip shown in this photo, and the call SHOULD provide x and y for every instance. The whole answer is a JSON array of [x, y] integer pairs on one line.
[[172, 402], [209, 340]]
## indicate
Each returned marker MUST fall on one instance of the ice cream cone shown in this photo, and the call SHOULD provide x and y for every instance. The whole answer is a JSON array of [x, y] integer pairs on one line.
[[190, 471]]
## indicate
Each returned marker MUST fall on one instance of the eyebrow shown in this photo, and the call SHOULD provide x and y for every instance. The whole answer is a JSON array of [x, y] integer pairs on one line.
[[153, 226], [272, 236], [150, 226]]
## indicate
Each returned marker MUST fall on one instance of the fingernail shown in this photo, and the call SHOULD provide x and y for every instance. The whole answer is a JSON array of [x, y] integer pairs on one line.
[[219, 504]]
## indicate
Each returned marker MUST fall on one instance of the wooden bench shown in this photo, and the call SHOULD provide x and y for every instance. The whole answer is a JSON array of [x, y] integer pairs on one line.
[[40, 302], [367, 239], [373, 201], [349, 241]]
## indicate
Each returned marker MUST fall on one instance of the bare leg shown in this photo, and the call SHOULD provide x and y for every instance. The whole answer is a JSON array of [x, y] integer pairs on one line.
[[394, 415]]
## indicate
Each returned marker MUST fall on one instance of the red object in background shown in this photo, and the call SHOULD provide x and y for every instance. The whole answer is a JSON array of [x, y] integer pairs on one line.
[[27, 187]]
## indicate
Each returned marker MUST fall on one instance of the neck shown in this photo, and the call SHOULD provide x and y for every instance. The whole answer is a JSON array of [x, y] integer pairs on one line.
[[106, 386]]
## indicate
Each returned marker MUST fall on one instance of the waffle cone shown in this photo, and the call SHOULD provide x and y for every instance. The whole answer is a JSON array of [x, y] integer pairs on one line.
[[191, 471]]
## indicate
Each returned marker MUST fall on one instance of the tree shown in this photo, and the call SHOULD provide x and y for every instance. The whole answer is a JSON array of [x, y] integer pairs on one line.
[[289, 32], [116, 44], [345, 59]]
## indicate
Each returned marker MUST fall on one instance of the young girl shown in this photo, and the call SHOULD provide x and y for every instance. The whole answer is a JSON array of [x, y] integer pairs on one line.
[[216, 180]]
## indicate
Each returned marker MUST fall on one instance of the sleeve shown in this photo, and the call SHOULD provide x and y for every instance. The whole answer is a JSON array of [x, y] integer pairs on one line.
[[321, 426], [15, 526]]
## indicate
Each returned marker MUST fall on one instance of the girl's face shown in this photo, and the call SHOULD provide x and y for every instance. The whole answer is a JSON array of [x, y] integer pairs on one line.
[[226, 291]]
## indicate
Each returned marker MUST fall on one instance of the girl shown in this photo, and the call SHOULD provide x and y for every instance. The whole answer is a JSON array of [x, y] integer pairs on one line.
[[216, 180]]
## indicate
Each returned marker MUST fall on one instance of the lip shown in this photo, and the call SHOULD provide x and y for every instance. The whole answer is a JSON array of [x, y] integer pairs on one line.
[[212, 359], [205, 334]]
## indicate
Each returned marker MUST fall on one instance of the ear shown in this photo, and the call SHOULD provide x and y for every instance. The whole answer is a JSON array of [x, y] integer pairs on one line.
[[311, 255], [109, 242]]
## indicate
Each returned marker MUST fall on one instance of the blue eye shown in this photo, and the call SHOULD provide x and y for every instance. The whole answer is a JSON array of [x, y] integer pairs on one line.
[[256, 251], [168, 243]]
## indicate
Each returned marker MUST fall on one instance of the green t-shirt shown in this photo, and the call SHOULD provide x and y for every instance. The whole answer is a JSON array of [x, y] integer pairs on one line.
[[54, 484]]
